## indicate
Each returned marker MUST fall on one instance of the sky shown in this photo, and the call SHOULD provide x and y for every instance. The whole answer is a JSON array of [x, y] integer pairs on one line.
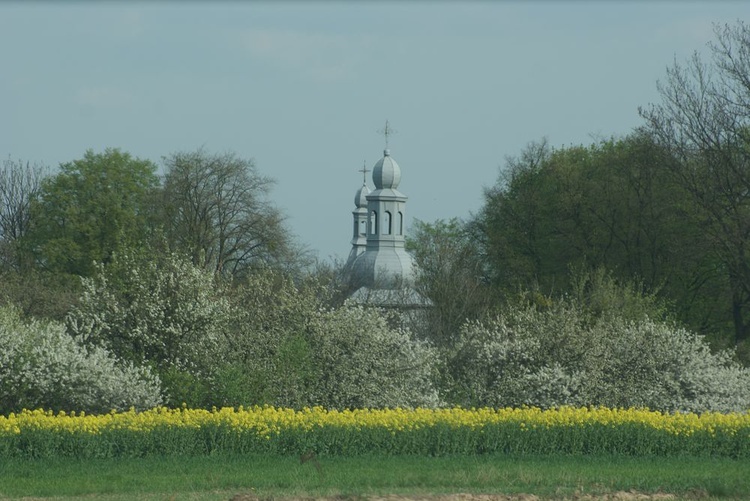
[[304, 88]]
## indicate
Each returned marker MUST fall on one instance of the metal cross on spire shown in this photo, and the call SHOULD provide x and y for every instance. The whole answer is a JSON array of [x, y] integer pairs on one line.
[[364, 170], [387, 131]]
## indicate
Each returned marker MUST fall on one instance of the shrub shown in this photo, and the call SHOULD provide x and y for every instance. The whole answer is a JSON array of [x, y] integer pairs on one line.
[[558, 356], [524, 357], [267, 357], [162, 311], [42, 366], [287, 349], [362, 362], [661, 366]]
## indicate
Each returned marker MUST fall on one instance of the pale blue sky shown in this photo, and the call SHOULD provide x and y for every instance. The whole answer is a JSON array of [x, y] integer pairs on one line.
[[303, 88]]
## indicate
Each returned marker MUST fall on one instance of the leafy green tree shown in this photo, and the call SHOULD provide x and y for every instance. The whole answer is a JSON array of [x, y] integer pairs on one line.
[[607, 204], [34, 292], [703, 119], [92, 208], [449, 274], [267, 342], [612, 205]]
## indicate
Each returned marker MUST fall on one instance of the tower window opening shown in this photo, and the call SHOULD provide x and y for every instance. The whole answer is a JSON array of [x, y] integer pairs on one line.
[[374, 223], [387, 228], [363, 227], [400, 223]]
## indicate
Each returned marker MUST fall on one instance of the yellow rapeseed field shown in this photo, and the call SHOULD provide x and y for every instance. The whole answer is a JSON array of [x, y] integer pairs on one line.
[[361, 431]]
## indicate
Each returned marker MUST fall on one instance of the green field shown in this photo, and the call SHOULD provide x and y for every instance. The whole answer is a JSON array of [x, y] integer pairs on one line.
[[274, 477]]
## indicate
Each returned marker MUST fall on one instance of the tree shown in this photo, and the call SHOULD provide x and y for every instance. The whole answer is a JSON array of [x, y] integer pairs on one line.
[[216, 209], [449, 273], [35, 294], [268, 349], [704, 120], [608, 205], [506, 228], [605, 204], [19, 184], [93, 207]]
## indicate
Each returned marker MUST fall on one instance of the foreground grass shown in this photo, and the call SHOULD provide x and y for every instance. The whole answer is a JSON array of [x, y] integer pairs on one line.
[[209, 478]]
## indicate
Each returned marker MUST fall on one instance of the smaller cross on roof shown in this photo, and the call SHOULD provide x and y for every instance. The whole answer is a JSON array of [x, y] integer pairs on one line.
[[364, 170]]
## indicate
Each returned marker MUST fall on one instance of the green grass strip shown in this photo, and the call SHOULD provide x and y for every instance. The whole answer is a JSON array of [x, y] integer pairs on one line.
[[266, 477]]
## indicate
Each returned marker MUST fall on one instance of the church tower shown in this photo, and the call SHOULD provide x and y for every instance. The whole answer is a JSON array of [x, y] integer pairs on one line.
[[385, 264], [379, 271], [359, 233]]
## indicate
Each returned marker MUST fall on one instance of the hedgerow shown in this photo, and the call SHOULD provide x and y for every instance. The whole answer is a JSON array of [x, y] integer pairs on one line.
[[559, 355]]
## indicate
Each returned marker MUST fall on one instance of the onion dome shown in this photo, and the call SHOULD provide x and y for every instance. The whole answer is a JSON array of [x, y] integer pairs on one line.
[[386, 174], [360, 198]]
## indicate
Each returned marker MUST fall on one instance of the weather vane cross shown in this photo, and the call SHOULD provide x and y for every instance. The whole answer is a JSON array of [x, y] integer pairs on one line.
[[364, 170], [387, 131]]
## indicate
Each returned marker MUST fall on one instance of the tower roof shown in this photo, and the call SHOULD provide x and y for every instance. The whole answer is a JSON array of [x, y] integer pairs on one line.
[[386, 174], [360, 198], [386, 268]]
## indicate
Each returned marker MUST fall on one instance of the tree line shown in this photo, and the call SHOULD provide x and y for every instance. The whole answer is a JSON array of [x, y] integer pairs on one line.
[[614, 273], [214, 208], [666, 207]]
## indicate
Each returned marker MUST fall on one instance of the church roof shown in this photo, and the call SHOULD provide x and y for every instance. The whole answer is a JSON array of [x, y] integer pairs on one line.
[[360, 198], [385, 268], [386, 174]]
